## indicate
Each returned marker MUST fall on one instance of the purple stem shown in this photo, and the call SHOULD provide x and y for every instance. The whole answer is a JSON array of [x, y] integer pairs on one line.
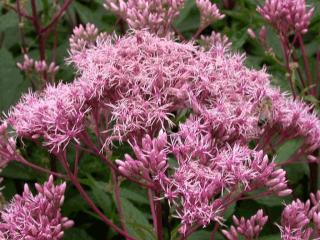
[[85, 196], [306, 64]]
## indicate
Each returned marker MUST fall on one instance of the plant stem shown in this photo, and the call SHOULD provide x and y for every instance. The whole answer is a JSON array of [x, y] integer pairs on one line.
[[158, 209], [23, 161], [306, 64], [286, 58], [56, 17], [153, 210], [314, 171], [36, 24], [118, 200], [23, 42], [85, 196], [215, 229]]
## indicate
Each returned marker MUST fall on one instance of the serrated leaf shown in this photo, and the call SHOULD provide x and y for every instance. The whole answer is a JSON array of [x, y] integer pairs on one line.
[[11, 82], [74, 204], [229, 212], [136, 221], [18, 171], [272, 201], [101, 197], [133, 196], [286, 150], [185, 11], [8, 20]]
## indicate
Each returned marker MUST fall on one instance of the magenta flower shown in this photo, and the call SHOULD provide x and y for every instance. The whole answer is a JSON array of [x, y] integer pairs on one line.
[[36, 216], [209, 12], [134, 88], [287, 15], [56, 115], [249, 228], [7, 146], [82, 37], [151, 162], [156, 16]]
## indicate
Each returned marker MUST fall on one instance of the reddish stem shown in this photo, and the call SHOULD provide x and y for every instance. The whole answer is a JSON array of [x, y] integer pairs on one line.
[[19, 12], [56, 17], [23, 161], [306, 63], [118, 200], [317, 72], [22, 13], [285, 50], [153, 210], [85, 196], [36, 24]]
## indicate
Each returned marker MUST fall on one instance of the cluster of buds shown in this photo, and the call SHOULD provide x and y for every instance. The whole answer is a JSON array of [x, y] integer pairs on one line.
[[248, 228], [287, 15], [30, 216], [7, 146], [151, 159], [216, 39], [209, 12], [83, 37], [38, 67], [301, 220], [278, 183], [156, 15]]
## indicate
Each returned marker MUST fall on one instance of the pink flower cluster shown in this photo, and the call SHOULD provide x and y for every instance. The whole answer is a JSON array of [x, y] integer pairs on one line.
[[249, 228], [155, 15], [35, 216], [7, 146], [209, 12], [135, 88], [151, 159], [82, 37], [30, 65], [55, 115], [297, 217], [287, 15]]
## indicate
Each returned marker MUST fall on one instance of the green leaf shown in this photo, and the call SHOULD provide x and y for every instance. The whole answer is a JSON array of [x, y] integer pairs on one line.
[[89, 15], [101, 197], [185, 11], [239, 39], [136, 221], [76, 234], [295, 172], [74, 204], [202, 235], [286, 150], [8, 20], [272, 201], [229, 212], [11, 83], [189, 18], [17, 171], [133, 196]]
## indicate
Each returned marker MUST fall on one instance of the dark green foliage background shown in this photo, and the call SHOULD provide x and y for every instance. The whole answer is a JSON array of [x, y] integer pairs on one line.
[[93, 175]]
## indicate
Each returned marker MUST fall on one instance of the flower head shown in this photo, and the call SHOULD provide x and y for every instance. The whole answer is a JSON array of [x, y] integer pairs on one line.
[[155, 15], [36, 216], [249, 228], [287, 15]]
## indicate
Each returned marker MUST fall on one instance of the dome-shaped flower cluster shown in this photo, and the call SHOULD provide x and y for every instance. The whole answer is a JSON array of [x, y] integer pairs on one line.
[[132, 88]]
